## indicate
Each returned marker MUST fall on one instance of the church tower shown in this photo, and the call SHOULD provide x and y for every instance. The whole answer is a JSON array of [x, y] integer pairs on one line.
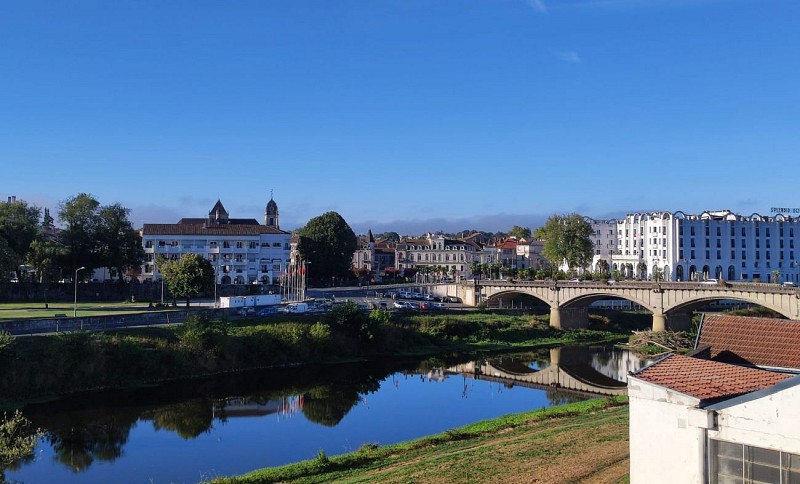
[[271, 213], [218, 215]]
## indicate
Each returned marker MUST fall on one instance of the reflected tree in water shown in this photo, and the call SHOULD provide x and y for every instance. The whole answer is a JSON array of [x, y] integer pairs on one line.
[[188, 419], [79, 446]]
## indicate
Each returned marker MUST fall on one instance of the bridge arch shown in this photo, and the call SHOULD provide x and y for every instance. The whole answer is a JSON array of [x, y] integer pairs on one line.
[[695, 303], [502, 295], [587, 299]]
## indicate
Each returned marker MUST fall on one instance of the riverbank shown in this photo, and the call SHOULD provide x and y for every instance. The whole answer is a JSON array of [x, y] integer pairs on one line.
[[48, 367], [580, 442]]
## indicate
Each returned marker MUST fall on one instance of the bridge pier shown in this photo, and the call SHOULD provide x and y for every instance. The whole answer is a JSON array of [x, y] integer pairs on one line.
[[569, 318], [555, 317], [659, 322]]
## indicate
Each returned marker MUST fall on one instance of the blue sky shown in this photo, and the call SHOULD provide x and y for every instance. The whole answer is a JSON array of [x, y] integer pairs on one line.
[[402, 115]]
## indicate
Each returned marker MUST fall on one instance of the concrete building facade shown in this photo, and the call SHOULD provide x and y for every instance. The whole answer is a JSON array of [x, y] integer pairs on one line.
[[242, 251]]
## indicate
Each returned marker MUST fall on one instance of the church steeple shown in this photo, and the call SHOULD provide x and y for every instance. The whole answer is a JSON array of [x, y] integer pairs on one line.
[[271, 213], [218, 215]]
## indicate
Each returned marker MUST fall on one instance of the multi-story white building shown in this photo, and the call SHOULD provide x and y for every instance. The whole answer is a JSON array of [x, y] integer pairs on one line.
[[712, 244], [435, 250], [242, 251]]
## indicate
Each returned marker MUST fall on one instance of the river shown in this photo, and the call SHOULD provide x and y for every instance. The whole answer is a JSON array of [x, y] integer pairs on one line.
[[190, 431]]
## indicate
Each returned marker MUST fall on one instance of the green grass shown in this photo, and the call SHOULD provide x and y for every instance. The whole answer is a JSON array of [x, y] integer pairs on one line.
[[441, 451], [12, 311]]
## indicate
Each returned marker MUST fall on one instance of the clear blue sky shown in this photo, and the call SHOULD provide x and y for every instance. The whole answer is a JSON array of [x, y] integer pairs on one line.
[[402, 115]]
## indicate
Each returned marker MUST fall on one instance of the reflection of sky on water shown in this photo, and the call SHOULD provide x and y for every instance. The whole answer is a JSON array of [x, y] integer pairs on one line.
[[407, 405]]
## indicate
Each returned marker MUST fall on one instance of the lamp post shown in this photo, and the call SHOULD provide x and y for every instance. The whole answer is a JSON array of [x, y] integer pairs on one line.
[[75, 304]]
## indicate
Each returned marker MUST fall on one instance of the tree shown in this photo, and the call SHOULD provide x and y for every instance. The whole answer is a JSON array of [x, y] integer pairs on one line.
[[46, 256], [8, 260], [80, 236], [120, 245], [567, 239], [188, 277], [390, 236], [19, 226], [602, 266], [99, 235], [327, 242], [520, 232]]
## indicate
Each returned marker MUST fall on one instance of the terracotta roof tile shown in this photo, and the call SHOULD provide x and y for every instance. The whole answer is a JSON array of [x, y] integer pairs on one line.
[[211, 230], [708, 380], [756, 341]]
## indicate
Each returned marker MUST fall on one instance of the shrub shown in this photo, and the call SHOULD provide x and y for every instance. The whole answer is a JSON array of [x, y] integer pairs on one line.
[[202, 333]]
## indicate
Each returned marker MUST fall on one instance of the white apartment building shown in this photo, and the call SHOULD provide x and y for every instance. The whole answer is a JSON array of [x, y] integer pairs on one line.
[[242, 251], [712, 244]]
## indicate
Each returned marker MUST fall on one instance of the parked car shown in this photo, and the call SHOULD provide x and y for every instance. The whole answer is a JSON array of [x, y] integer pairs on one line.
[[788, 284], [438, 305], [405, 305], [246, 311], [268, 311]]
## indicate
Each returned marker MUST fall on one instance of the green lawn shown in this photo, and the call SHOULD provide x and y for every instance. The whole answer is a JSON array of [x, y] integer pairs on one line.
[[9, 311]]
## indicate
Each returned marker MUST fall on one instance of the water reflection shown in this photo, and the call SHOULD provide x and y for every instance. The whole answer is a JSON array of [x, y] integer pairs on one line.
[[86, 429]]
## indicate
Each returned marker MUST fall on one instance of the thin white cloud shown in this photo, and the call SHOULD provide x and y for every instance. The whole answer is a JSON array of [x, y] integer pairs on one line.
[[538, 5], [569, 56]]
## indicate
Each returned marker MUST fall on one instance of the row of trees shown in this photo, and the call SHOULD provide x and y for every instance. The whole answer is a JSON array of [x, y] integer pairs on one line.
[[93, 236]]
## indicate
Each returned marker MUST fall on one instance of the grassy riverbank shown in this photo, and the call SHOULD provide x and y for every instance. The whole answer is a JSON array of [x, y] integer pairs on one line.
[[580, 442], [45, 367]]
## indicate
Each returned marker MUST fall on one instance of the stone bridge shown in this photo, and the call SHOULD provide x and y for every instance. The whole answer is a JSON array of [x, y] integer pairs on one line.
[[672, 303], [569, 370]]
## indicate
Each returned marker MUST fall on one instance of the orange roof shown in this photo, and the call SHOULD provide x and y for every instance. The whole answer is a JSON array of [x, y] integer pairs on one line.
[[706, 379], [757, 341]]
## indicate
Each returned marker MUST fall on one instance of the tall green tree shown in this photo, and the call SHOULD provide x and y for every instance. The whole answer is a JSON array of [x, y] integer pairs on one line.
[[328, 243], [120, 244], [190, 276], [567, 239], [81, 235], [19, 226], [520, 232], [98, 235]]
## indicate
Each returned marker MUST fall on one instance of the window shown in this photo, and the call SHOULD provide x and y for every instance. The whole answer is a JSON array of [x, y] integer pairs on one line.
[[238, 245], [729, 462]]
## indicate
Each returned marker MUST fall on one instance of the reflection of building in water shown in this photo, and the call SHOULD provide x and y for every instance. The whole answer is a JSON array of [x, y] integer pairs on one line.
[[232, 407], [617, 364]]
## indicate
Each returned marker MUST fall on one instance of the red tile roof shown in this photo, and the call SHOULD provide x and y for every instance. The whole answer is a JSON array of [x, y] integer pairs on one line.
[[708, 380], [211, 230], [757, 341]]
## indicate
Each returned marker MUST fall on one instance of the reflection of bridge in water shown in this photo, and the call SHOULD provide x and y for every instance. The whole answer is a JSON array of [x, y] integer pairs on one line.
[[570, 369]]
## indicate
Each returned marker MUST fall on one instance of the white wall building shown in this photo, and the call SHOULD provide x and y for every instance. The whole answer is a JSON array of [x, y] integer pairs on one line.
[[242, 251], [720, 245], [695, 420]]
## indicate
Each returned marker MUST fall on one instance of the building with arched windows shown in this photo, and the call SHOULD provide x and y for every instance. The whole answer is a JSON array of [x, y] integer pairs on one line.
[[710, 245], [242, 251]]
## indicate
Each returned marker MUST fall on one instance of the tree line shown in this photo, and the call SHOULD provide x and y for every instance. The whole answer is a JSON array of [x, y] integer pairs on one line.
[[93, 236]]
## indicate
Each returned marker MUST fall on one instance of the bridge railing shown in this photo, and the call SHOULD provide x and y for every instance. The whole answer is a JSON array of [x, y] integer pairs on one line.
[[673, 285]]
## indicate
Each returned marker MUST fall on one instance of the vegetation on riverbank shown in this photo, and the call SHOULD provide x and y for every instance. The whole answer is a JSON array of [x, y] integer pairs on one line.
[[585, 441], [45, 367]]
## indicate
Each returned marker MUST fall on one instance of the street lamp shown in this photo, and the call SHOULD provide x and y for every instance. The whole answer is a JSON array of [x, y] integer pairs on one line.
[[75, 305]]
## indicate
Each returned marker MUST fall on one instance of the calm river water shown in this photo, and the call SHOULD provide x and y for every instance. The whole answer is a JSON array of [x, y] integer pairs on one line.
[[233, 424]]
